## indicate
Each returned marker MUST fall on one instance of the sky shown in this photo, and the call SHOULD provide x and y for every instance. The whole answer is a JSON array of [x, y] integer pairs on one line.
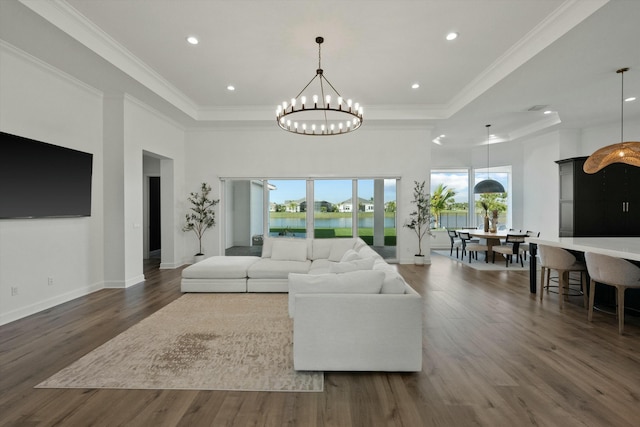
[[331, 190], [460, 183]]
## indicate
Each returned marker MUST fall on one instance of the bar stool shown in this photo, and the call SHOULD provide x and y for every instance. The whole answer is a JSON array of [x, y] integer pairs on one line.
[[611, 271], [563, 261]]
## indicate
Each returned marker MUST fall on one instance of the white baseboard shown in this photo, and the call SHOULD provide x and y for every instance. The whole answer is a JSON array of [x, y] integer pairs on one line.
[[48, 303]]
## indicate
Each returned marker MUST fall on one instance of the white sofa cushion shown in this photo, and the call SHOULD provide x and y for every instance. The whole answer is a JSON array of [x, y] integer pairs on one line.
[[349, 255], [267, 268], [289, 250], [368, 252], [355, 282], [347, 266], [267, 244], [339, 247], [320, 266], [321, 248], [393, 283], [220, 267]]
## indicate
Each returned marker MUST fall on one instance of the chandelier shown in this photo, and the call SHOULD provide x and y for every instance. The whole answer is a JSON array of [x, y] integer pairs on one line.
[[324, 114], [623, 152], [488, 185]]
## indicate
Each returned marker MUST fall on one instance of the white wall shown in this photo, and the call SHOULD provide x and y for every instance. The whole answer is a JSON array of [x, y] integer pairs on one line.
[[145, 130], [541, 184], [42, 103], [268, 152]]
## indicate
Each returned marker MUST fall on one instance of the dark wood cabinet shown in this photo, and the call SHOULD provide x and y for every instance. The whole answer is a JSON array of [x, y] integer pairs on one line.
[[606, 203]]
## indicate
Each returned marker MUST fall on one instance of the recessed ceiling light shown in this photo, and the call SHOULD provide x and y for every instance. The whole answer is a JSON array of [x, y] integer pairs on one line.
[[630, 99], [415, 86], [547, 112], [192, 40], [442, 136], [231, 88], [452, 36]]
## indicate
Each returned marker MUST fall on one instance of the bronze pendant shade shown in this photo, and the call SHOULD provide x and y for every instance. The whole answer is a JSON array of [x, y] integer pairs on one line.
[[623, 152]]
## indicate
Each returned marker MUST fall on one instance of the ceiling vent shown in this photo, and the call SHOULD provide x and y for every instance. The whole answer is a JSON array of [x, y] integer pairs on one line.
[[537, 107]]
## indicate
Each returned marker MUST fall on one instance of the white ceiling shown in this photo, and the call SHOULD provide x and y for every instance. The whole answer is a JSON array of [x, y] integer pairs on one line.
[[510, 56]]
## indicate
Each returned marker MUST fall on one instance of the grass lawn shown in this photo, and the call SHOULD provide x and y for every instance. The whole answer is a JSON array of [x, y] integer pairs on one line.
[[365, 233]]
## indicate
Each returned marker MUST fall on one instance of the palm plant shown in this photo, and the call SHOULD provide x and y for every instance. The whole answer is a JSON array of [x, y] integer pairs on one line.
[[441, 199], [202, 216]]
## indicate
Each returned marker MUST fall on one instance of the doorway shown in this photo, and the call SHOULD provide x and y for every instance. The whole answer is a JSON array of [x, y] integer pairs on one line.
[[154, 217]]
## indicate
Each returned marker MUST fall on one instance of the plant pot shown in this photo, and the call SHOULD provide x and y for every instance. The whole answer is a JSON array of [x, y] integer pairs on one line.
[[198, 258], [418, 259]]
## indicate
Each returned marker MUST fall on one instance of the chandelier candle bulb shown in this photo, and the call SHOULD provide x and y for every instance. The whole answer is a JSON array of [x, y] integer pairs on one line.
[[303, 100]]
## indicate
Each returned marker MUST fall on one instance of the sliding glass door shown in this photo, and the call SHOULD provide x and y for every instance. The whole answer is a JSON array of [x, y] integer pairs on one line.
[[318, 208]]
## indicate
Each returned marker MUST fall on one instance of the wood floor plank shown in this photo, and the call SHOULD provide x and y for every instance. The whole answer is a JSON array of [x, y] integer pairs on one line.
[[493, 354]]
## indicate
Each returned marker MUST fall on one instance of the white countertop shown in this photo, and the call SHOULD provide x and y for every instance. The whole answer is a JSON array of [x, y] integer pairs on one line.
[[621, 247]]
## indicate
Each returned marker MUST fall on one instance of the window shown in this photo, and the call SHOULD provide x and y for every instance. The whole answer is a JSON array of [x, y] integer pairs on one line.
[[341, 208], [450, 198], [499, 202], [287, 208], [333, 208]]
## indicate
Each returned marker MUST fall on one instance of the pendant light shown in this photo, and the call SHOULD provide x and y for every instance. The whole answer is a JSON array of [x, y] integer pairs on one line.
[[488, 185], [624, 152]]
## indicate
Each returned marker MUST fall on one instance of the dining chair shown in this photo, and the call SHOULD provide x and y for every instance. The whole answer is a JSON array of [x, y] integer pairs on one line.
[[510, 248], [525, 246], [611, 271], [455, 242], [473, 247], [564, 262]]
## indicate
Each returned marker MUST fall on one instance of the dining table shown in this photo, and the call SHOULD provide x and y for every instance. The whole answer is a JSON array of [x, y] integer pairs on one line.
[[492, 238]]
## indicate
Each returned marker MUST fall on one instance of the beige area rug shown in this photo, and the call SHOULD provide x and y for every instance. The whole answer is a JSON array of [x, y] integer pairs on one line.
[[199, 342], [481, 265]]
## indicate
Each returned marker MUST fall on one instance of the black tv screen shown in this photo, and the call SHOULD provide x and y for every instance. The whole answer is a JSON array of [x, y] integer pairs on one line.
[[40, 180]]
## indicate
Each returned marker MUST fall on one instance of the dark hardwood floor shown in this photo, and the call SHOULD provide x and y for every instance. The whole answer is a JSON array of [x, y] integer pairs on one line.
[[493, 356]]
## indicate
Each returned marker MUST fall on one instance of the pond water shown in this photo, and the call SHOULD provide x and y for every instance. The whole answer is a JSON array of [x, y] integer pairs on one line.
[[328, 223]]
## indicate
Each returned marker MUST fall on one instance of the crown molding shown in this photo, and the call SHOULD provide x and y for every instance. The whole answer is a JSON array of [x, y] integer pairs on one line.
[[19, 53], [72, 22], [554, 26], [68, 19]]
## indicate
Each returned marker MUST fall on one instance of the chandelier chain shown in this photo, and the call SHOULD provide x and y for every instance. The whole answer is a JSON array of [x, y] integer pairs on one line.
[[621, 71]]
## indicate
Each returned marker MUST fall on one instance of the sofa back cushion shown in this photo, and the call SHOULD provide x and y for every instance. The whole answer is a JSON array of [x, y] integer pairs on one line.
[[289, 250], [355, 282], [267, 245], [339, 248], [322, 247]]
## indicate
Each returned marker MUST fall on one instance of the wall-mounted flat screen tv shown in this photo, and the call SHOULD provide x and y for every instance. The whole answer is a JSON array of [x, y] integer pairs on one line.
[[39, 180]]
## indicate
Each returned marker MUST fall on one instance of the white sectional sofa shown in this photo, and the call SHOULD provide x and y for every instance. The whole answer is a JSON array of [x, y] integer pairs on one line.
[[351, 310]]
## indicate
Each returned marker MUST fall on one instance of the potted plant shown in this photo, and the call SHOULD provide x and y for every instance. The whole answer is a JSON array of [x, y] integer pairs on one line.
[[202, 216], [420, 220]]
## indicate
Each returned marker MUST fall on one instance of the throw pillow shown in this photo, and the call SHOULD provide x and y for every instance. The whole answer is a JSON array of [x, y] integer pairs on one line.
[[350, 255], [355, 265], [393, 283], [289, 250]]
